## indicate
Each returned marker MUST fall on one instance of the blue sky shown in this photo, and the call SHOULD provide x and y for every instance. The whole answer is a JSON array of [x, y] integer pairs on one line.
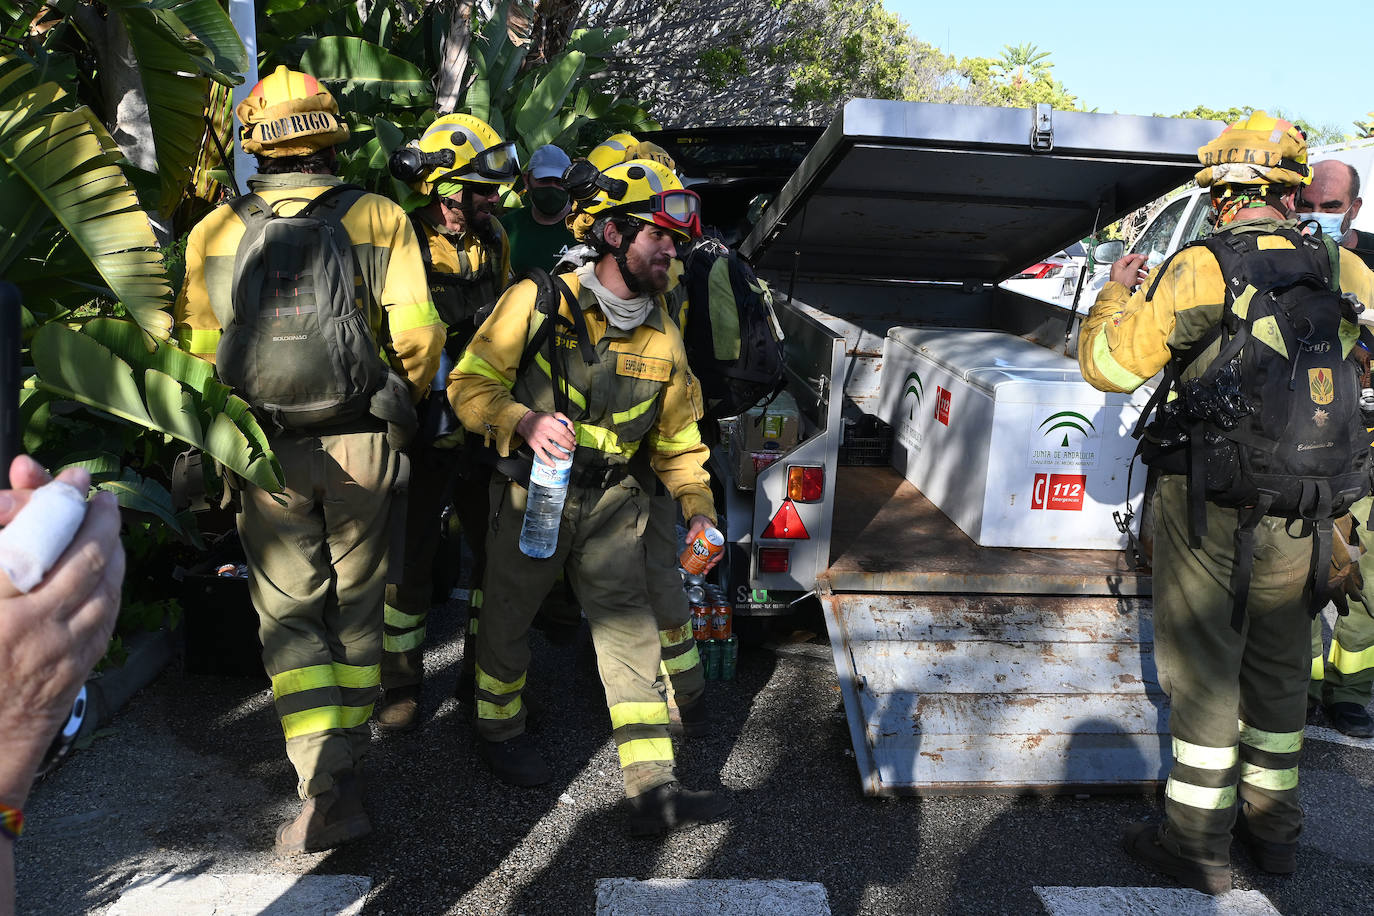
[[1170, 55]]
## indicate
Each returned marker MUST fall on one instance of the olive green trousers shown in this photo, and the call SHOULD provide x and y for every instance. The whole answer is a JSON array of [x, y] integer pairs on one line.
[[317, 570], [1237, 700], [1345, 673]]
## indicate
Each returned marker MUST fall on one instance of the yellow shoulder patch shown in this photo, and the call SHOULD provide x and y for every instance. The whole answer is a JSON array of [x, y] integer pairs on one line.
[[1273, 242], [645, 367]]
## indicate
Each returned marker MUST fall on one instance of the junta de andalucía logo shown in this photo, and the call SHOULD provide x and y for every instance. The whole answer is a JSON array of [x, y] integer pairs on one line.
[[1066, 420]]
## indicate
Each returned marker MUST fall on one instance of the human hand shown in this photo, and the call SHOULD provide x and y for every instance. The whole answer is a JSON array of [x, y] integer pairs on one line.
[[51, 637], [1129, 270], [697, 525], [546, 434]]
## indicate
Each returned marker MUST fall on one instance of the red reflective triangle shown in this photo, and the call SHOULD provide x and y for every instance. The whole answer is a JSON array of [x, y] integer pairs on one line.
[[787, 524]]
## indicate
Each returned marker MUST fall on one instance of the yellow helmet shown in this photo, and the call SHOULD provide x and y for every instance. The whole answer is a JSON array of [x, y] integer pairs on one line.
[[456, 148], [1260, 150], [611, 151], [648, 191], [289, 113]]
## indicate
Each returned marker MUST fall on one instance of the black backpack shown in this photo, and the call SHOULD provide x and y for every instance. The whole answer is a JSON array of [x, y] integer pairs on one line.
[[734, 343], [1272, 426], [296, 345]]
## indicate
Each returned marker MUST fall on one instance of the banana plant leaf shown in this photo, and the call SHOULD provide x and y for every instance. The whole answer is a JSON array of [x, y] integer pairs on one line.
[[62, 162], [101, 465], [104, 369], [535, 120], [365, 74], [142, 494]]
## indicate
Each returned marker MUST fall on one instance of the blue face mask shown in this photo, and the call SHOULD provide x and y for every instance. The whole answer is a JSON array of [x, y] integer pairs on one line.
[[1330, 223]]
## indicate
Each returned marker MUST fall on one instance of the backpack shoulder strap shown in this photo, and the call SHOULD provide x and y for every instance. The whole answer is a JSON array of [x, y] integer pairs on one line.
[[423, 238], [331, 197], [584, 340]]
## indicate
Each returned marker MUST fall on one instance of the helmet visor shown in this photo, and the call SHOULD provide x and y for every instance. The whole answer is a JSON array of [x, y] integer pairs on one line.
[[679, 210], [498, 165]]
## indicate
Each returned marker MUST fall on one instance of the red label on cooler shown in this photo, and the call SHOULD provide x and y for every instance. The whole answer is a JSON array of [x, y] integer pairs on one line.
[[1059, 491], [942, 399]]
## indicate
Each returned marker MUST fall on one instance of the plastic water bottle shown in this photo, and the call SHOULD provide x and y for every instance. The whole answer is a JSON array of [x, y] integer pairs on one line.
[[544, 506]]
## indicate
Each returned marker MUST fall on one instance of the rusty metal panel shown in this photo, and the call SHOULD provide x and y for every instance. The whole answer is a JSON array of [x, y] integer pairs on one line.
[[999, 694]]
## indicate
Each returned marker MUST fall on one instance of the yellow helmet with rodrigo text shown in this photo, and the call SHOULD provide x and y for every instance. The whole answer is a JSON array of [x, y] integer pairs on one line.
[[289, 113], [1259, 150], [455, 148], [648, 191]]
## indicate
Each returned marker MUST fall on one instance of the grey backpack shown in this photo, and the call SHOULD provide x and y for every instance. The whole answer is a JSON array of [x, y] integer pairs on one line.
[[297, 346]]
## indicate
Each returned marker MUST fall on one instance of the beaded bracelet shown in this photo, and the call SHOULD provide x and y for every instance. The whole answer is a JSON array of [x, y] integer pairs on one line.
[[11, 821]]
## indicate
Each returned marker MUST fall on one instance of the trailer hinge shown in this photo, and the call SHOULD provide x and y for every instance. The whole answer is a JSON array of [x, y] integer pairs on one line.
[[1042, 128]]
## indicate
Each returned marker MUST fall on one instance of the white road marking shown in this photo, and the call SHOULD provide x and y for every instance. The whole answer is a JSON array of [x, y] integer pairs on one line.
[[690, 897], [241, 895], [1151, 901], [1330, 734]]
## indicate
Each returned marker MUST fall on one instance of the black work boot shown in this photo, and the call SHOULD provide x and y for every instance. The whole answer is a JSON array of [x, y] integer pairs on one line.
[[690, 721], [515, 761], [1275, 858], [1142, 843], [400, 709], [669, 807], [1350, 719], [326, 820]]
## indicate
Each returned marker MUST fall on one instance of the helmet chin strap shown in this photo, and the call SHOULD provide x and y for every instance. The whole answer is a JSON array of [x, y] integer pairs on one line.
[[627, 238]]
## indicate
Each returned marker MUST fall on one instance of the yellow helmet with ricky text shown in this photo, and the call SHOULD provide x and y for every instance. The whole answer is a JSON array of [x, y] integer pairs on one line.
[[648, 191], [289, 113], [1259, 150]]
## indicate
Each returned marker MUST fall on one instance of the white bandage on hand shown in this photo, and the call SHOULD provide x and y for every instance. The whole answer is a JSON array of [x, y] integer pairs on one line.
[[32, 542]]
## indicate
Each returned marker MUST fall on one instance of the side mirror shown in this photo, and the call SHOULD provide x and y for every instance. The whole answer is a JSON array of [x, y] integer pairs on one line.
[[1108, 252]]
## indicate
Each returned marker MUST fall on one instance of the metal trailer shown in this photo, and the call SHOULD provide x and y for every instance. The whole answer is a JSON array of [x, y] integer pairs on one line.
[[963, 668]]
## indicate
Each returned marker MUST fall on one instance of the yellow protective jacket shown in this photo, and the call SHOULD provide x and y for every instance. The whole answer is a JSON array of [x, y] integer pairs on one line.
[[464, 274], [391, 287], [640, 392], [1125, 339]]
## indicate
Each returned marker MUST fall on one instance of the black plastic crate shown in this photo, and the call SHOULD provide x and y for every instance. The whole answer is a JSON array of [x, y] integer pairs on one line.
[[867, 442], [220, 626]]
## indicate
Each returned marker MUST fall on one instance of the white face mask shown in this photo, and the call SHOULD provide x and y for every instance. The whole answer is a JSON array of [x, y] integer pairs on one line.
[[1330, 223]]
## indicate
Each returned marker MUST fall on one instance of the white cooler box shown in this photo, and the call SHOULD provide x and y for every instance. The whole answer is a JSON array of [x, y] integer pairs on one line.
[[1007, 439]]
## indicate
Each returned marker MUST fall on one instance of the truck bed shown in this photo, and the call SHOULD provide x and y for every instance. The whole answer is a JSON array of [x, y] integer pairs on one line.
[[887, 537]]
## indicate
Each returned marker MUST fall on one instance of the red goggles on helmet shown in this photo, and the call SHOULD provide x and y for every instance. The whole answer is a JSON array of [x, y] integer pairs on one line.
[[680, 210]]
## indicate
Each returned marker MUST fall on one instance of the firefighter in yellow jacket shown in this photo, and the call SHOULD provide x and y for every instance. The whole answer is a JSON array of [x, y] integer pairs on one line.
[[1237, 694], [317, 560], [607, 377], [460, 165]]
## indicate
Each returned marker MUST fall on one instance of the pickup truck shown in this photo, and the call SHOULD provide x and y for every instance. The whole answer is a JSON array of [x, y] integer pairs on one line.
[[964, 666]]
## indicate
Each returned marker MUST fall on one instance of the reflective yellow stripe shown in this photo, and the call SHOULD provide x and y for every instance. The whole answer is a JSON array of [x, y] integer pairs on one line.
[[1265, 778], [625, 416], [646, 750], [639, 714], [573, 394], [688, 438], [1200, 796], [472, 625], [402, 318], [1347, 662], [199, 341], [500, 688], [476, 365], [399, 618], [1205, 758], [684, 662], [669, 638], [403, 643], [357, 675], [475, 599], [1319, 667], [299, 679], [312, 721], [489, 710], [599, 438], [1273, 742], [1111, 370]]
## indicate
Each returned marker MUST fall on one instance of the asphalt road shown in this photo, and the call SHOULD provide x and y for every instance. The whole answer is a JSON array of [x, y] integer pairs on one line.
[[192, 779]]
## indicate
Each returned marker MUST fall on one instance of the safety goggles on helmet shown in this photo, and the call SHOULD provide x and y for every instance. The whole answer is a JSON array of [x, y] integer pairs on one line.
[[677, 210], [498, 164]]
